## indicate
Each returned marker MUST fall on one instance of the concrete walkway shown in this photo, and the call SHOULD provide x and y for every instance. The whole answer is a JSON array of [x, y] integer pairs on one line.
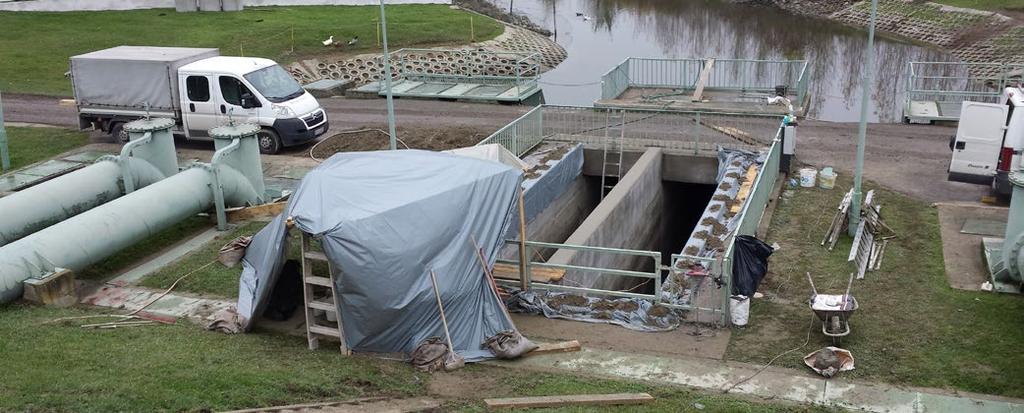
[[99, 5], [780, 383]]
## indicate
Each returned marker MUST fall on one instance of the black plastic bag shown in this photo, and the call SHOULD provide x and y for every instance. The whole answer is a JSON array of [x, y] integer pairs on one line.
[[750, 265]]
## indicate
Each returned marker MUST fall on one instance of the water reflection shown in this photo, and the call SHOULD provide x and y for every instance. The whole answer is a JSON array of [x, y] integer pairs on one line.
[[611, 30]]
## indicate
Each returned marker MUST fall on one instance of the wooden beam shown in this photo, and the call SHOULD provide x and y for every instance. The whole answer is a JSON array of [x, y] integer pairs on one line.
[[698, 90], [549, 348], [537, 274], [258, 211], [570, 400]]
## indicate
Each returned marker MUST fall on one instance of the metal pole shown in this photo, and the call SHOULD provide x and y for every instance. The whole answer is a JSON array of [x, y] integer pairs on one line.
[[387, 79], [862, 130], [5, 154]]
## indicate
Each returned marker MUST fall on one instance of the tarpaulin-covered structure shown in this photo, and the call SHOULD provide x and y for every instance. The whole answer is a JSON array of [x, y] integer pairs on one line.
[[385, 220]]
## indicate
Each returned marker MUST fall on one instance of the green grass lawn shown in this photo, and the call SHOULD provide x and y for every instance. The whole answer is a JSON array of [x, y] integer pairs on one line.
[[34, 51], [62, 367], [911, 327], [215, 279], [31, 145], [994, 5]]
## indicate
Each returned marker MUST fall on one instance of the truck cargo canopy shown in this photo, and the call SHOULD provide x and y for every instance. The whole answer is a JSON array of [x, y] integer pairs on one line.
[[131, 77]]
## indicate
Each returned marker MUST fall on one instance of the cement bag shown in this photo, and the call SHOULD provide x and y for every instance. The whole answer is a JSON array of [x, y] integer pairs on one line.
[[509, 344], [739, 306], [430, 355], [232, 252]]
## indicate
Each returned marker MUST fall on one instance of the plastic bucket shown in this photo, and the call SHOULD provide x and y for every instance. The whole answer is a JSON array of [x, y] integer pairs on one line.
[[739, 307], [808, 177], [827, 180]]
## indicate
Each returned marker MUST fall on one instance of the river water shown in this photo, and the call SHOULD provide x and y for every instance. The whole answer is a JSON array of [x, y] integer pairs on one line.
[[612, 30]]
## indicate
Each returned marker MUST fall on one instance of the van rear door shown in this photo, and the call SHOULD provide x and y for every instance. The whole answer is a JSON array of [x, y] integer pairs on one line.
[[979, 137]]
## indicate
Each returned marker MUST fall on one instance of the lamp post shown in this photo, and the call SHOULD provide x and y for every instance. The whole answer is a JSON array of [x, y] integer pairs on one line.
[[387, 79], [862, 129]]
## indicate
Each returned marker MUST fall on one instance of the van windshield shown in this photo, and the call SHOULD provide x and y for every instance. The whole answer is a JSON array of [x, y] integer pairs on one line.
[[275, 84]]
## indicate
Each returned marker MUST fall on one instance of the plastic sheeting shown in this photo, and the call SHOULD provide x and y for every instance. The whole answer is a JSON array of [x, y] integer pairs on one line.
[[385, 220]]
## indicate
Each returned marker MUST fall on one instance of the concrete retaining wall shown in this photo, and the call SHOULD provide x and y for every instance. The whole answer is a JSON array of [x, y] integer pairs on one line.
[[629, 217], [558, 221], [689, 169]]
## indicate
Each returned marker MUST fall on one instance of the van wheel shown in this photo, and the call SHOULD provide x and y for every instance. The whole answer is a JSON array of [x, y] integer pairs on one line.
[[118, 133], [270, 143]]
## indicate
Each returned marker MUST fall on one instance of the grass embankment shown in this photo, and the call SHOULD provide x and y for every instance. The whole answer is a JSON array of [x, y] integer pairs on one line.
[[31, 145], [263, 31], [911, 327], [214, 279], [62, 367], [992, 5]]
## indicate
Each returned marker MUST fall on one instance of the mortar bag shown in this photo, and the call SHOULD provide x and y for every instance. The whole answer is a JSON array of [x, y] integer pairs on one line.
[[509, 344], [232, 252], [430, 355], [453, 361], [750, 265]]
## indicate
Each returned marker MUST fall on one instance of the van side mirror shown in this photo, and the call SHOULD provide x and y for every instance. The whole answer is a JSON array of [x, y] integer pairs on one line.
[[249, 101]]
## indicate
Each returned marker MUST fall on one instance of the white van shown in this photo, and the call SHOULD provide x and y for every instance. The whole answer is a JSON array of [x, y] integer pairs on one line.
[[989, 141], [198, 89]]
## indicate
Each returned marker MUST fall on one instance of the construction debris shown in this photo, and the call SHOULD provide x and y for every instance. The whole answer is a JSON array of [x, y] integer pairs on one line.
[[868, 244], [839, 221], [569, 400], [549, 348]]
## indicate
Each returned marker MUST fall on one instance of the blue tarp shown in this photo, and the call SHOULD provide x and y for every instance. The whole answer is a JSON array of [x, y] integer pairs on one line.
[[386, 219]]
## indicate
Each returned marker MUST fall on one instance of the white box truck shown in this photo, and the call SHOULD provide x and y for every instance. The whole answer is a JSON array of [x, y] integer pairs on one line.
[[989, 141], [197, 88]]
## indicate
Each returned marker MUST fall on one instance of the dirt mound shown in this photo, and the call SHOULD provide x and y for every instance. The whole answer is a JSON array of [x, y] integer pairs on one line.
[[374, 138]]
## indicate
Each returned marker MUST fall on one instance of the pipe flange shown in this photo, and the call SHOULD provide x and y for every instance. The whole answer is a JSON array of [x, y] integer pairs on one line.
[[105, 158], [234, 131], [201, 165], [149, 125], [1017, 178]]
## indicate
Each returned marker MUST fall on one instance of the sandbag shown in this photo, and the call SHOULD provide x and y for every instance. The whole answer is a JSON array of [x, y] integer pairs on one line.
[[232, 252], [430, 355], [750, 264], [509, 344]]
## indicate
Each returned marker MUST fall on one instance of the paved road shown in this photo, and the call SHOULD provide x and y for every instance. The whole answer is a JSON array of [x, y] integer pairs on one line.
[[908, 158]]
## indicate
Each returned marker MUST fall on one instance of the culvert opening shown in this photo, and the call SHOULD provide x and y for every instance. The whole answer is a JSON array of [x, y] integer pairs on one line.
[[684, 204]]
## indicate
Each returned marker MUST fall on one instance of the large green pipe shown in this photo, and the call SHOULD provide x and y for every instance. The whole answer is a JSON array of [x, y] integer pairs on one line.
[[148, 158], [91, 236]]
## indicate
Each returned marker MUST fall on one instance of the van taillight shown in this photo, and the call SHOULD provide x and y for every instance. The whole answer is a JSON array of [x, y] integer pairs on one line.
[[1005, 158]]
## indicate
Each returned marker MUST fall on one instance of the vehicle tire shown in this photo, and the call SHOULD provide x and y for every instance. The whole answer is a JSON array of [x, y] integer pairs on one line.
[[118, 133], [270, 142]]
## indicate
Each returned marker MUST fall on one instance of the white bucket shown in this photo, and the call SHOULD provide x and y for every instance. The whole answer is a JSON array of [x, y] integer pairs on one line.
[[739, 307], [808, 177], [827, 180]]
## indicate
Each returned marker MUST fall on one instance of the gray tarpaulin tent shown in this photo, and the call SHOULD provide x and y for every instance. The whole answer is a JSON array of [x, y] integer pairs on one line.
[[385, 220]]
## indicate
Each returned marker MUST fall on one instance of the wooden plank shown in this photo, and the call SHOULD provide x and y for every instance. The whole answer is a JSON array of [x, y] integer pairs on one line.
[[323, 330], [67, 102], [258, 211], [315, 280], [537, 274], [323, 305], [549, 348], [570, 400], [315, 255], [698, 91]]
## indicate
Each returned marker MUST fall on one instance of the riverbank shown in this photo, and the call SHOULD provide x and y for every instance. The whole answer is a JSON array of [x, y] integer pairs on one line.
[[973, 36], [34, 58]]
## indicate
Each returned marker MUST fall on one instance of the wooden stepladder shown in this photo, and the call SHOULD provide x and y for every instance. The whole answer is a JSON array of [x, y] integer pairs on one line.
[[318, 294]]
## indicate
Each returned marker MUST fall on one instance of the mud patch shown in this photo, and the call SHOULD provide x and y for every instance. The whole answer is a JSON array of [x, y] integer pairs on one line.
[[558, 301], [375, 139]]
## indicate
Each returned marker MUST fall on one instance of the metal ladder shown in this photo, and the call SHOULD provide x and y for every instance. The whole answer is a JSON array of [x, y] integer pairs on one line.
[[612, 127], [314, 288]]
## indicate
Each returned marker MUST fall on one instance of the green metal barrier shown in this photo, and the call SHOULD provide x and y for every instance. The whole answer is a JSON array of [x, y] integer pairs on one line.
[[947, 84], [745, 75], [522, 134]]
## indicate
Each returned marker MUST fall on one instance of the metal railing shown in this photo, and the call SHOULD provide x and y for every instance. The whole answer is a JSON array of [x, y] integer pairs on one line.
[[654, 274], [695, 131], [950, 83], [744, 75], [475, 66]]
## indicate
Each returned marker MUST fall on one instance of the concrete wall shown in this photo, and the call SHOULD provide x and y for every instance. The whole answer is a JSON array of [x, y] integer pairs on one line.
[[561, 217], [674, 167], [629, 217]]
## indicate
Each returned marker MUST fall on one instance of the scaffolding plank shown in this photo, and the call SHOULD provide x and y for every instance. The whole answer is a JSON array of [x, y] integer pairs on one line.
[[698, 90], [549, 348], [511, 272], [570, 400]]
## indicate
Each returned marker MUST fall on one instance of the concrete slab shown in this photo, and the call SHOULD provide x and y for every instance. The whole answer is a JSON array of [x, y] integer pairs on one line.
[[775, 383], [459, 89], [150, 266], [962, 253], [171, 305], [402, 86]]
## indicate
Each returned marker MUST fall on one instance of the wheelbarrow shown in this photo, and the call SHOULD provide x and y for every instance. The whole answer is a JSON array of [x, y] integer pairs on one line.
[[834, 310]]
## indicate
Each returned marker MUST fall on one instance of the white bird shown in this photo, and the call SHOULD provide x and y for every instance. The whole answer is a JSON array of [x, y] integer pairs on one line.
[[329, 41], [353, 41], [586, 18]]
